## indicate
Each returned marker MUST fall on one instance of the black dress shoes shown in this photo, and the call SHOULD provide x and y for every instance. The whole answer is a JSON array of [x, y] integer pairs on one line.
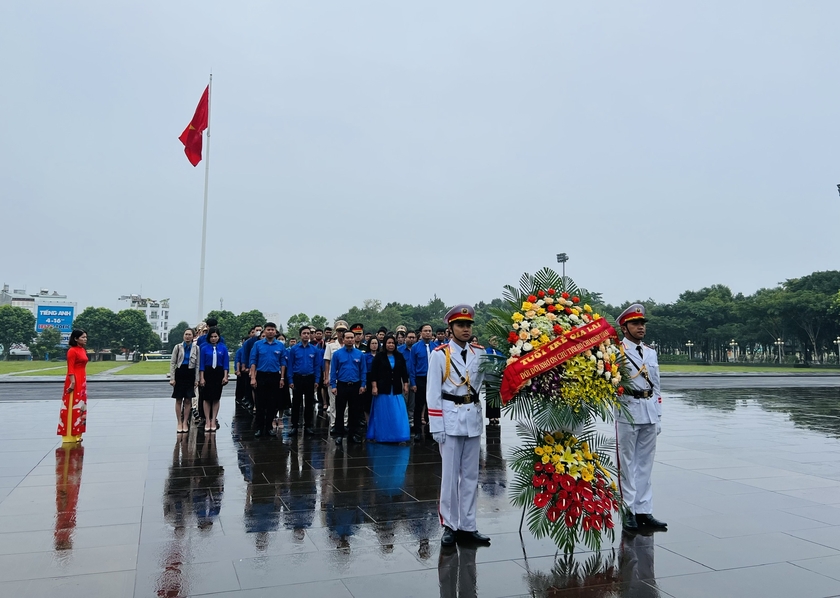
[[332, 430], [630, 523], [448, 537], [308, 431], [258, 433], [648, 520], [473, 537]]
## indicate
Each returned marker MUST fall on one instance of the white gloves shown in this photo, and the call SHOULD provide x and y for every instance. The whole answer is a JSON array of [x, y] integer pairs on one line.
[[658, 428], [440, 437]]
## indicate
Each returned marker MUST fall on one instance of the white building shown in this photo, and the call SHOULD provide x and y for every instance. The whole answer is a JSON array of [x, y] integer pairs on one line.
[[157, 313], [51, 310]]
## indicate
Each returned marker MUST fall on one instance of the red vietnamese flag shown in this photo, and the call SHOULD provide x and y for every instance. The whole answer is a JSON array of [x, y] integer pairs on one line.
[[191, 137]]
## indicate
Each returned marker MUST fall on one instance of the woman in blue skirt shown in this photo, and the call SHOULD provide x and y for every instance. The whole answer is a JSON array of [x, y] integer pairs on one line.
[[389, 384]]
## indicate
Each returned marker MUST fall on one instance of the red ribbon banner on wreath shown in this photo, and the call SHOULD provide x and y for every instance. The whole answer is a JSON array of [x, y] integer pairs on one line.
[[548, 357]]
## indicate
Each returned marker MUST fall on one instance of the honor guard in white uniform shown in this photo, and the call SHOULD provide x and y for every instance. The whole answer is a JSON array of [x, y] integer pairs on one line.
[[456, 423], [636, 439]]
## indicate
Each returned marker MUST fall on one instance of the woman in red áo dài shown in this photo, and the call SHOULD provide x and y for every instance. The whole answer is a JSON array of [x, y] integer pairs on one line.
[[71, 424]]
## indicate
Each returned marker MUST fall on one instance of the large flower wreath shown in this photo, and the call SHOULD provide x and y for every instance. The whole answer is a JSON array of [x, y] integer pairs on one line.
[[562, 372]]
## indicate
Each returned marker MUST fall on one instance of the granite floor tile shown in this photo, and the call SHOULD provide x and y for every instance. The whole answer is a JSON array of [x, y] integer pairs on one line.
[[780, 580]]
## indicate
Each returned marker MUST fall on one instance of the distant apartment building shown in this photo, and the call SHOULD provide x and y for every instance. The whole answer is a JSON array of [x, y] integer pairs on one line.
[[51, 309], [157, 313]]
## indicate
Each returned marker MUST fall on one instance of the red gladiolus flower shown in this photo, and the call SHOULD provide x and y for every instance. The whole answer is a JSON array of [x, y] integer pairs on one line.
[[513, 337], [557, 328], [540, 500], [619, 391], [551, 291], [565, 295], [568, 310], [549, 467], [532, 298], [538, 466], [553, 514], [575, 299], [551, 307], [551, 487], [541, 294]]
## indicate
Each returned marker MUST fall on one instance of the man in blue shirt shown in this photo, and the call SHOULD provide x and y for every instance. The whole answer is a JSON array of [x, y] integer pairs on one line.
[[348, 376], [405, 348], [418, 367], [267, 364], [304, 369]]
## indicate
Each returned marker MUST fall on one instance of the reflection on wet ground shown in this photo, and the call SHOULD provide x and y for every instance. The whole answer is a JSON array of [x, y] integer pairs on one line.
[[749, 481]]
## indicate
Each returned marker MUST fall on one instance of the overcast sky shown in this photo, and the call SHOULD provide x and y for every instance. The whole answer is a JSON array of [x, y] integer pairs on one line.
[[398, 150]]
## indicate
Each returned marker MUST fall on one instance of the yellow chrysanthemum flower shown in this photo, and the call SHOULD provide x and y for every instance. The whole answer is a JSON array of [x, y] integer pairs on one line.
[[517, 317], [526, 305], [587, 309], [540, 311]]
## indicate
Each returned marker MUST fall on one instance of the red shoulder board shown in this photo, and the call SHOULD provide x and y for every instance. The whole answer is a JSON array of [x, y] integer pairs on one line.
[[442, 347], [476, 345]]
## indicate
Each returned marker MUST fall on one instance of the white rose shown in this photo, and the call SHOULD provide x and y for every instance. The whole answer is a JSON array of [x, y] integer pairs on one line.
[[527, 347], [607, 375], [592, 358], [515, 326], [519, 344], [540, 302], [600, 354], [515, 351], [525, 325]]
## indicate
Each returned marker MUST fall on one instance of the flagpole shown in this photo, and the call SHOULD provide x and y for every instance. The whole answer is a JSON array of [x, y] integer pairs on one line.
[[204, 218]]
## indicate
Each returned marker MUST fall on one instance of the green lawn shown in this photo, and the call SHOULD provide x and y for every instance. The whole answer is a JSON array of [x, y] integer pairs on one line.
[[739, 369], [11, 367], [94, 367], [145, 368]]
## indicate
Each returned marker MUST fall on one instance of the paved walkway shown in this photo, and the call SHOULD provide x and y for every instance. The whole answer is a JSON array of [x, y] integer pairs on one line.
[[748, 480]]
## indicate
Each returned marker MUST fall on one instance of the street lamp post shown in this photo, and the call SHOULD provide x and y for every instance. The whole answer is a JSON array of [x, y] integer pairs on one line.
[[732, 345], [837, 344], [780, 343], [689, 344], [562, 258]]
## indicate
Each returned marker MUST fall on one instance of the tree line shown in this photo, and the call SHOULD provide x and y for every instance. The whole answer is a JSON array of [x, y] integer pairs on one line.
[[796, 321]]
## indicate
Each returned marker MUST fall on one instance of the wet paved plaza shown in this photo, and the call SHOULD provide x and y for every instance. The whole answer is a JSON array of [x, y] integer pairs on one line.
[[748, 480]]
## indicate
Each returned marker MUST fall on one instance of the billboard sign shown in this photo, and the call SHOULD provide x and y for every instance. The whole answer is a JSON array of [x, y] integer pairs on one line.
[[59, 317]]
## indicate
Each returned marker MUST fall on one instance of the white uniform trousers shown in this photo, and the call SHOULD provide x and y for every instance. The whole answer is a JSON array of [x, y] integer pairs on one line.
[[459, 482], [636, 449], [331, 410]]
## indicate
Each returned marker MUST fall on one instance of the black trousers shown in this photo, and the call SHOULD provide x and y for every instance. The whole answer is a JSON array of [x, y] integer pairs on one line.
[[347, 395], [303, 395], [268, 400], [419, 402]]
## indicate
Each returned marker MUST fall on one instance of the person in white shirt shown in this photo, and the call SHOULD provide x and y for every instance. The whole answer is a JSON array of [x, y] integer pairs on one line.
[[636, 438], [456, 423]]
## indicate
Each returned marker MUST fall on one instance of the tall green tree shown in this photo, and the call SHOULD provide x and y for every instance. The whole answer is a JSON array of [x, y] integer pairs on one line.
[[295, 322], [102, 327], [17, 327], [135, 332], [47, 345]]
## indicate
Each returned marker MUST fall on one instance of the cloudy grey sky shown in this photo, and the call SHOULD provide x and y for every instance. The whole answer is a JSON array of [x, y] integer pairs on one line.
[[398, 150]]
